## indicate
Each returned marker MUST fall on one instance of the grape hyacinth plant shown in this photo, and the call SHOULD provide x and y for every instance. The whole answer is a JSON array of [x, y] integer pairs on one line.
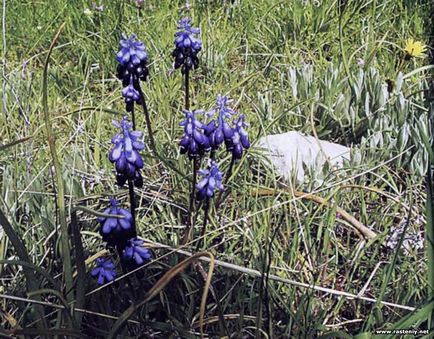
[[200, 138], [187, 46], [118, 226], [132, 59]]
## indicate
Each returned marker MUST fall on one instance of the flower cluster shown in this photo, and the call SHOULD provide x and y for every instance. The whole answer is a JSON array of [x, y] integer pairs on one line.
[[194, 142], [187, 46], [117, 226], [239, 139], [105, 270], [132, 58], [125, 154], [199, 138], [116, 231], [135, 251], [119, 233], [220, 130], [211, 179]]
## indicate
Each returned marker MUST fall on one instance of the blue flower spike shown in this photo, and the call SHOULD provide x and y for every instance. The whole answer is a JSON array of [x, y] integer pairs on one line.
[[211, 180], [239, 141], [105, 271], [220, 130], [125, 153], [194, 141], [132, 58], [187, 46], [135, 251]]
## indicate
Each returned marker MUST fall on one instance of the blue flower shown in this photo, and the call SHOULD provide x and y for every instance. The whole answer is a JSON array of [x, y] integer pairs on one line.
[[132, 58], [115, 225], [239, 141], [135, 251], [105, 270], [125, 153], [194, 142], [132, 52], [185, 37], [212, 180], [218, 131], [131, 95], [187, 46]]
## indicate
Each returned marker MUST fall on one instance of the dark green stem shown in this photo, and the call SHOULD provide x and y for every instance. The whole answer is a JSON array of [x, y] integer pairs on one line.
[[133, 118], [190, 218], [131, 182], [227, 176], [147, 118], [187, 89], [132, 205], [205, 222]]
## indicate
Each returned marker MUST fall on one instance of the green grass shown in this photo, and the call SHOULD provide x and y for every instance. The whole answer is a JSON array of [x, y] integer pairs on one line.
[[251, 48]]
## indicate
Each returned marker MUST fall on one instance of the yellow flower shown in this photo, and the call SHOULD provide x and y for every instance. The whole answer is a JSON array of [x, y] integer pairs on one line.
[[414, 49]]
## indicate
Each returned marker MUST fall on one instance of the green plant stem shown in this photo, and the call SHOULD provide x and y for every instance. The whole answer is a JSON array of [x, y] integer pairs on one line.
[[205, 221], [226, 180], [133, 118], [196, 162], [187, 89], [191, 208], [64, 236], [147, 118], [132, 205]]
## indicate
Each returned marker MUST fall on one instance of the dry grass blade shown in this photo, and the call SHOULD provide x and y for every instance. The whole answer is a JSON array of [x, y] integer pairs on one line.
[[161, 283]]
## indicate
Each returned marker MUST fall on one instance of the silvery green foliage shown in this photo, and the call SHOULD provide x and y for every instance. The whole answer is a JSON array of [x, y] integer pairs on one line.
[[383, 122]]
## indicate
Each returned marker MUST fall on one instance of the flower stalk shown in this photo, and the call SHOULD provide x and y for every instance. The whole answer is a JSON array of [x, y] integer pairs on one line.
[[147, 119], [228, 174], [206, 208]]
